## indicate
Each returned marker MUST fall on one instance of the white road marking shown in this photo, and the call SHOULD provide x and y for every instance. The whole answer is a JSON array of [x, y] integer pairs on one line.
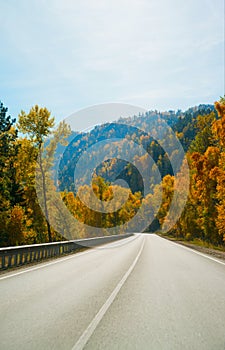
[[76, 255], [82, 341], [44, 265], [198, 253]]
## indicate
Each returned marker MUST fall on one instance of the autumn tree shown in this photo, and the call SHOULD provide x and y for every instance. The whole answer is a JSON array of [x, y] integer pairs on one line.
[[25, 165], [219, 172], [37, 125], [46, 174], [202, 217]]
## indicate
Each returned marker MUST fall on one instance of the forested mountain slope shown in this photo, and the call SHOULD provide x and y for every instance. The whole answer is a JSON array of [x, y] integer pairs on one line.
[[200, 131]]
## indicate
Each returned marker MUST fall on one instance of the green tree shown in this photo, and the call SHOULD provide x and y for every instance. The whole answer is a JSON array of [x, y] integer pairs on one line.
[[10, 190], [205, 137]]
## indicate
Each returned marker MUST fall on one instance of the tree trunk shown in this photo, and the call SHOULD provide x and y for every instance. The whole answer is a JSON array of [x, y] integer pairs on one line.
[[45, 199]]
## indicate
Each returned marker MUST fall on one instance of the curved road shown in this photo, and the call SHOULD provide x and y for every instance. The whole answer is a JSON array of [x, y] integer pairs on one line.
[[144, 292]]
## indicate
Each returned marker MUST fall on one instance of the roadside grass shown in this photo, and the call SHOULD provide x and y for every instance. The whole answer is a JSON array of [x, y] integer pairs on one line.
[[196, 241]]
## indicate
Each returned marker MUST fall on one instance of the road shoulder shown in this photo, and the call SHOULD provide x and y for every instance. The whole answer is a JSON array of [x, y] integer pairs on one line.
[[218, 254]]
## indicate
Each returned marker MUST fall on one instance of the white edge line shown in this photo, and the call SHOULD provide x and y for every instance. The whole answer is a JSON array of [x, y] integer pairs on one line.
[[43, 265], [82, 341], [196, 252]]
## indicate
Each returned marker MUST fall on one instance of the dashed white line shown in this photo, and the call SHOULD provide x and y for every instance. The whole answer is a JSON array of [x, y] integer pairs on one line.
[[82, 341]]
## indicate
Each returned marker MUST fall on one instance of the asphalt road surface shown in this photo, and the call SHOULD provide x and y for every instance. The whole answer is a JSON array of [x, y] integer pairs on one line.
[[141, 293]]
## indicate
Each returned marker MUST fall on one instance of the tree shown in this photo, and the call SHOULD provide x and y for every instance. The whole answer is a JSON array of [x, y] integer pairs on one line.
[[45, 174], [219, 125], [204, 137], [37, 125], [10, 189], [219, 172], [25, 165], [16, 226], [203, 191], [163, 193]]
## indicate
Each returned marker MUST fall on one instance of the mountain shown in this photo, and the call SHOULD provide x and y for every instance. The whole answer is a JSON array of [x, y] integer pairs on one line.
[[143, 130]]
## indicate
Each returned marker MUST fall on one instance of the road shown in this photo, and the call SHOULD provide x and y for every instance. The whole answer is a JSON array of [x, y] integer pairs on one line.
[[144, 292]]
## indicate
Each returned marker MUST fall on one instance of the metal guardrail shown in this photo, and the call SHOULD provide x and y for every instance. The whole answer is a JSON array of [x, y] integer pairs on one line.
[[22, 255]]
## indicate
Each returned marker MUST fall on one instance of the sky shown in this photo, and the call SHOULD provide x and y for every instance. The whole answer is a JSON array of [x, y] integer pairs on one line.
[[68, 55]]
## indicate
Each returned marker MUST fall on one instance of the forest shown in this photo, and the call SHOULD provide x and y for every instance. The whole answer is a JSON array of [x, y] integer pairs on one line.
[[32, 141]]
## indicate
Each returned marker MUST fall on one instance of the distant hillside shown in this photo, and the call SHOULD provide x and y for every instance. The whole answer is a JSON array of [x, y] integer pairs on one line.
[[184, 124]]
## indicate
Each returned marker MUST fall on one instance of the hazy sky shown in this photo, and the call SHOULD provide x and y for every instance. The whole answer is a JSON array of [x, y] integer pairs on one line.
[[66, 55]]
